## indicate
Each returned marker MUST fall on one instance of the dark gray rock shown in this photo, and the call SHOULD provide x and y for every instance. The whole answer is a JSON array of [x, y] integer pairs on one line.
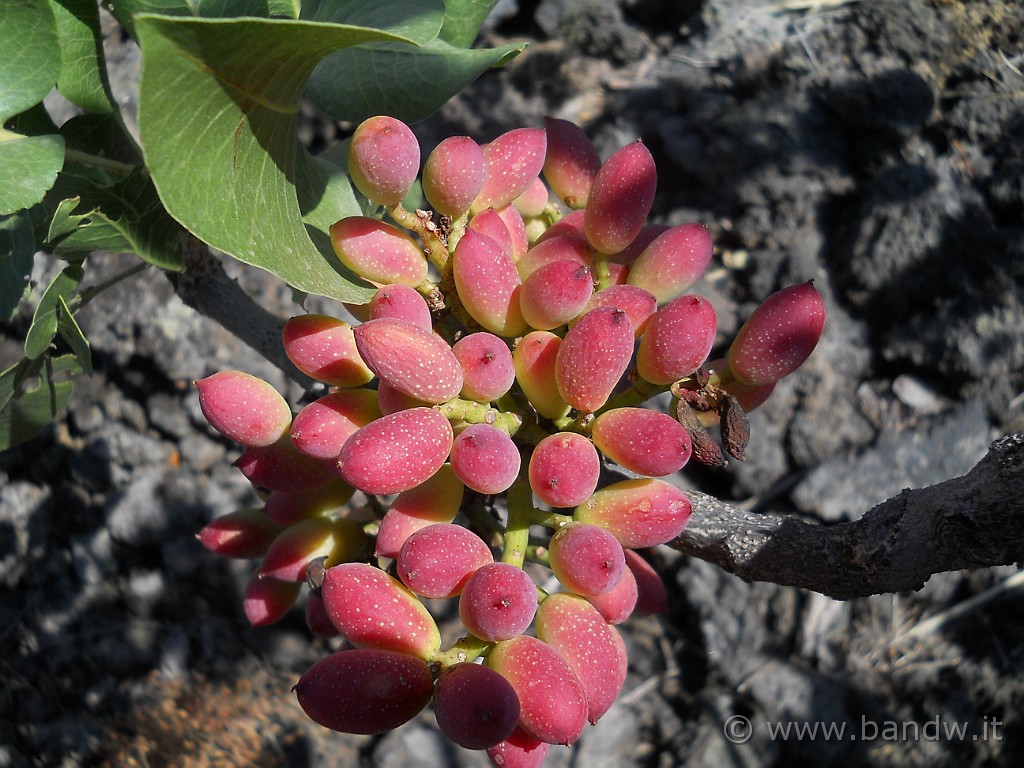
[[848, 485]]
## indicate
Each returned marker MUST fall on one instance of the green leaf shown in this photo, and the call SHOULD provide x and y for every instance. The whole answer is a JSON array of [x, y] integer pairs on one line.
[[71, 332], [124, 217], [462, 20], [28, 168], [125, 10], [29, 56], [288, 9], [226, 95], [416, 20], [29, 65], [44, 321], [31, 397], [64, 221], [82, 78], [326, 194], [17, 247], [408, 83]]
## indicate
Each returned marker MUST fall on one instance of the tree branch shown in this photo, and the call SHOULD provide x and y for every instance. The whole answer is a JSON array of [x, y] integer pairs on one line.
[[974, 521], [206, 287]]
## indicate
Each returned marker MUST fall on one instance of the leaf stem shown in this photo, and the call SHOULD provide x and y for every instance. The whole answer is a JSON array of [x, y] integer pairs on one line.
[[104, 163], [92, 292]]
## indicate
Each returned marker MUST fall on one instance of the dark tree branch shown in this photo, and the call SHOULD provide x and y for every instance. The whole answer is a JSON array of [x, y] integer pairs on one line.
[[974, 521], [206, 287]]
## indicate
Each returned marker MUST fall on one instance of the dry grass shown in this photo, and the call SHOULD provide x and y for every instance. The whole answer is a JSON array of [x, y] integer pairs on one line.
[[196, 723]]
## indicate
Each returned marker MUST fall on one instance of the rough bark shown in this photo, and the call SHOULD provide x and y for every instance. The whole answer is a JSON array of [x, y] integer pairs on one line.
[[974, 521]]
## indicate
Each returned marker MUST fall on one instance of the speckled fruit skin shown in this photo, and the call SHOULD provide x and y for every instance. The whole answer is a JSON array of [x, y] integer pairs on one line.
[[571, 163], [514, 160], [638, 304], [453, 175], [488, 284], [519, 750], [620, 198], [534, 200], [593, 648], [280, 467], [401, 302], [324, 348], [364, 691], [337, 539], [534, 358], [549, 250], [678, 339], [378, 251], [555, 294], [588, 560], [437, 560], [485, 459], [592, 358], [779, 335], [436, 500], [321, 428], [383, 159], [487, 368], [396, 452], [639, 513], [552, 701], [643, 441], [244, 408], [617, 604], [491, 224], [564, 469], [374, 610], [498, 602], [416, 362], [673, 262], [475, 706]]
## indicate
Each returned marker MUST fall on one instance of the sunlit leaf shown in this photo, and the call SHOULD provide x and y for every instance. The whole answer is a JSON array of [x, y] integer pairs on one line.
[[228, 92], [462, 20], [28, 168], [29, 56], [408, 83], [82, 78]]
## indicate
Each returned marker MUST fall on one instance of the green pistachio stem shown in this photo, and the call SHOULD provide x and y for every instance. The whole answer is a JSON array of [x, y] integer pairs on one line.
[[517, 529], [473, 412], [466, 648], [434, 247]]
